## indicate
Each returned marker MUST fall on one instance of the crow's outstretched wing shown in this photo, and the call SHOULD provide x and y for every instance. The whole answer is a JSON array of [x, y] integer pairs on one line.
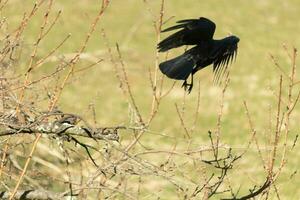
[[222, 53], [192, 32]]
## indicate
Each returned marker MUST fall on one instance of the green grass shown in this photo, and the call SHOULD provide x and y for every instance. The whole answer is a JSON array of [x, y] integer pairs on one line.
[[262, 26]]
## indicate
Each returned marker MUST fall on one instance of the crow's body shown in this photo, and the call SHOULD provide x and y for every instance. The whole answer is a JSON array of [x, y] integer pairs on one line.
[[207, 51]]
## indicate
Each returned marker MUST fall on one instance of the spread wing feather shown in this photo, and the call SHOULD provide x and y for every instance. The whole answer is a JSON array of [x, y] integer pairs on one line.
[[223, 56], [191, 32]]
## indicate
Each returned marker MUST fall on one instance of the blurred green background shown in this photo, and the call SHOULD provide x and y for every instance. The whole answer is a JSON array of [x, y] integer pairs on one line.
[[263, 26]]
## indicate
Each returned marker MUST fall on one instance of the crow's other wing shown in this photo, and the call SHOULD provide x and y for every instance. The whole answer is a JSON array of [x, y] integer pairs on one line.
[[178, 68], [222, 53], [189, 24], [192, 32]]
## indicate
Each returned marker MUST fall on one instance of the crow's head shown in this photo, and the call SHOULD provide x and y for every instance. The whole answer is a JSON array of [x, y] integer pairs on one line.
[[232, 39], [230, 44]]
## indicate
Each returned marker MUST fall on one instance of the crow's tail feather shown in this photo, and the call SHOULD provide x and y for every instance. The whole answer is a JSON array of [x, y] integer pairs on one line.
[[178, 68]]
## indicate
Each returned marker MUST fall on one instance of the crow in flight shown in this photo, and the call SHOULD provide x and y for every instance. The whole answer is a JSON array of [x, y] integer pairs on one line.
[[207, 51]]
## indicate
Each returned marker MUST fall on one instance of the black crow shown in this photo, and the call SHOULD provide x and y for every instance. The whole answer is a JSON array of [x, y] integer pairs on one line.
[[207, 51]]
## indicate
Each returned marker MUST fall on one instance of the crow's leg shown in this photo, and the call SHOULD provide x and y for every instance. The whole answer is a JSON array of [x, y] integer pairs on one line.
[[191, 84], [188, 86], [184, 84]]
